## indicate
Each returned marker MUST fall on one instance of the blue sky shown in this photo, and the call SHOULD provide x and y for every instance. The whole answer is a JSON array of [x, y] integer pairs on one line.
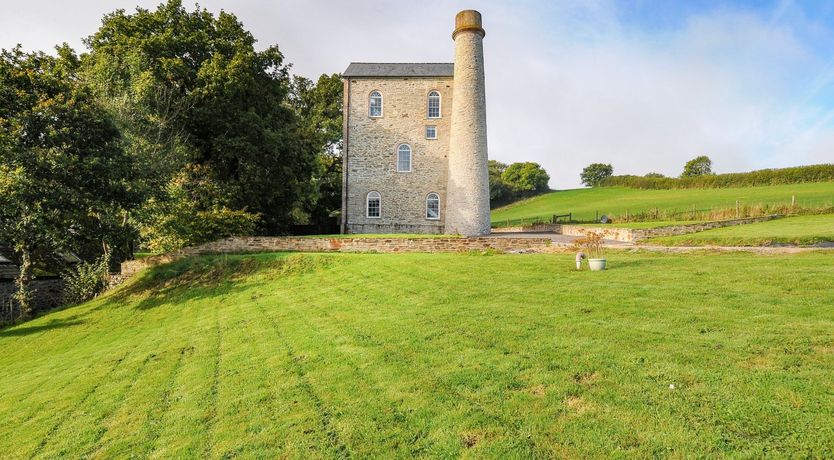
[[643, 85]]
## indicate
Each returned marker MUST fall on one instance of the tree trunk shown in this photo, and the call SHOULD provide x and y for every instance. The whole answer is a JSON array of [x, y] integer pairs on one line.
[[24, 294]]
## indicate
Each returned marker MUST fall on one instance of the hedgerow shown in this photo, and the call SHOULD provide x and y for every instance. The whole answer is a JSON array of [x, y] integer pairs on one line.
[[794, 175]]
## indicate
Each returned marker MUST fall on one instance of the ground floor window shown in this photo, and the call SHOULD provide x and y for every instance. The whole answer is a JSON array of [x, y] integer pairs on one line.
[[433, 206], [374, 205]]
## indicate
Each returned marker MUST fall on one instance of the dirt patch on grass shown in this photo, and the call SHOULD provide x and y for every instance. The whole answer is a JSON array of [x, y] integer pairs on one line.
[[537, 390], [586, 378], [576, 404]]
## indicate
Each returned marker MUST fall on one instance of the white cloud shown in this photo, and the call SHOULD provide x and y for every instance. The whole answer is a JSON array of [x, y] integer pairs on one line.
[[568, 83]]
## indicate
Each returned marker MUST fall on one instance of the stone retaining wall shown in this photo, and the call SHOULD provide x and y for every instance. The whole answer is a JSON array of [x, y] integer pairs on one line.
[[379, 245], [643, 234], [534, 228], [631, 235]]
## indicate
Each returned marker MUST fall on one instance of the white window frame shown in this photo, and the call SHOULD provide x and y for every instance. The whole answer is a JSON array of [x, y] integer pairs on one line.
[[410, 158], [434, 128], [429, 196], [377, 196], [371, 105], [439, 105]]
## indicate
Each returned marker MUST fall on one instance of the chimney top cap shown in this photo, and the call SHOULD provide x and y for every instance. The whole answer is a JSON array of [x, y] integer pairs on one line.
[[468, 20]]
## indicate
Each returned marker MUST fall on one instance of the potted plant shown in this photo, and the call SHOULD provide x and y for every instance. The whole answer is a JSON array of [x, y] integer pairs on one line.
[[591, 244]]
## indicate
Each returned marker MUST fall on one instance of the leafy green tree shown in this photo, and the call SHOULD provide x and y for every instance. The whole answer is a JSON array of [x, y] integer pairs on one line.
[[499, 191], [595, 173], [64, 178], [698, 166], [656, 175], [319, 109], [188, 89], [526, 178]]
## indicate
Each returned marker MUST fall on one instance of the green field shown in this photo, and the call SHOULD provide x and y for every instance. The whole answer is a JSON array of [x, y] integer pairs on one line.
[[445, 355], [585, 204], [801, 230]]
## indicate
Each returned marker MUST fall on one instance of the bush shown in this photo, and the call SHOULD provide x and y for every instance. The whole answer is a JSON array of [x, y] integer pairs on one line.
[[86, 280], [795, 175]]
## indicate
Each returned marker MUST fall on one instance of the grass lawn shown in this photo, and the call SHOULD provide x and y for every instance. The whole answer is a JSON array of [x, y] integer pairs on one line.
[[790, 230], [585, 203], [444, 355]]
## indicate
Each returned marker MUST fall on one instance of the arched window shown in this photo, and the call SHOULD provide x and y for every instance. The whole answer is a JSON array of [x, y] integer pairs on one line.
[[433, 206], [434, 105], [374, 205], [376, 104], [404, 158]]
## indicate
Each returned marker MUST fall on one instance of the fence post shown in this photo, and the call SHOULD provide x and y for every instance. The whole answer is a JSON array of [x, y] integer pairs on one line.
[[793, 201]]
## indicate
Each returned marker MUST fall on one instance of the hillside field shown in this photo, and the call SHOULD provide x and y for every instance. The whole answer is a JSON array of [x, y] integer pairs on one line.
[[801, 230], [433, 355], [613, 201]]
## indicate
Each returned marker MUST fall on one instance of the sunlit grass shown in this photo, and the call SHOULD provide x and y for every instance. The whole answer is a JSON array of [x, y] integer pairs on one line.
[[800, 230], [433, 355]]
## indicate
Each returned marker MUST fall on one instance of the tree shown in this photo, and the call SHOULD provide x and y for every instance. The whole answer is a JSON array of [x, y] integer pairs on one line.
[[189, 89], [319, 109], [64, 178], [499, 191], [698, 166], [526, 178], [595, 173], [655, 175]]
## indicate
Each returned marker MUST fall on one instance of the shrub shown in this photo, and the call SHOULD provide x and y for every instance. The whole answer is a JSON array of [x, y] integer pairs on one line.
[[86, 280]]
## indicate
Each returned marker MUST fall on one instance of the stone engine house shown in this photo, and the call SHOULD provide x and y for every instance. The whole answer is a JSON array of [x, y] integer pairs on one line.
[[415, 143]]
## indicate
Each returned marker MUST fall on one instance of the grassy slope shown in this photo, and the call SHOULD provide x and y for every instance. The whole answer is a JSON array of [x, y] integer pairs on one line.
[[793, 230], [584, 203], [433, 355]]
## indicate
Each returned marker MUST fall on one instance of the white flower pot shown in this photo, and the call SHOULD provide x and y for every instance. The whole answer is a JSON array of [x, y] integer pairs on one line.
[[596, 264]]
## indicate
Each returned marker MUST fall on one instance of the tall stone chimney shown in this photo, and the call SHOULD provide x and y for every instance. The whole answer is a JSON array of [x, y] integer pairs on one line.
[[467, 191]]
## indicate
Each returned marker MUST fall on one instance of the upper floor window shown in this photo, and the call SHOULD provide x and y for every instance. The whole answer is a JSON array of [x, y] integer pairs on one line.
[[404, 158], [434, 105], [431, 132], [433, 206], [376, 104], [374, 205]]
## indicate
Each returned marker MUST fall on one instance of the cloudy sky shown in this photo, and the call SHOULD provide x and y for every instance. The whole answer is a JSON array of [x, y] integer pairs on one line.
[[643, 85]]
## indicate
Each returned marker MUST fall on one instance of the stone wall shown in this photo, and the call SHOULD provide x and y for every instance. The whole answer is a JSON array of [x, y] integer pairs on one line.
[[47, 293], [609, 233], [630, 235], [371, 155], [672, 230], [377, 245]]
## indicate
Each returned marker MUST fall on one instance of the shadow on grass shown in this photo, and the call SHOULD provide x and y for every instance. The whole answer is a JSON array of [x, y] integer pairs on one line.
[[205, 277], [53, 324]]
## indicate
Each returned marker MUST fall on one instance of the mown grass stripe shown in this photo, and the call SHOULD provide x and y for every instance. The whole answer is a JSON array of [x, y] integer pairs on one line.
[[66, 415], [340, 450]]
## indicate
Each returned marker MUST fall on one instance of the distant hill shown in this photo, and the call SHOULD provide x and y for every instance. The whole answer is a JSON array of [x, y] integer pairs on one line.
[[586, 205]]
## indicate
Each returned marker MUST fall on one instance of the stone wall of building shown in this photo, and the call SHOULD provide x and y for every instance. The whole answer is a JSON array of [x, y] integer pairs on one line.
[[371, 157]]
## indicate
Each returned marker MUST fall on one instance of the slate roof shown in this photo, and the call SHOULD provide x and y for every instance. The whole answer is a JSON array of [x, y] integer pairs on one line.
[[399, 69]]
